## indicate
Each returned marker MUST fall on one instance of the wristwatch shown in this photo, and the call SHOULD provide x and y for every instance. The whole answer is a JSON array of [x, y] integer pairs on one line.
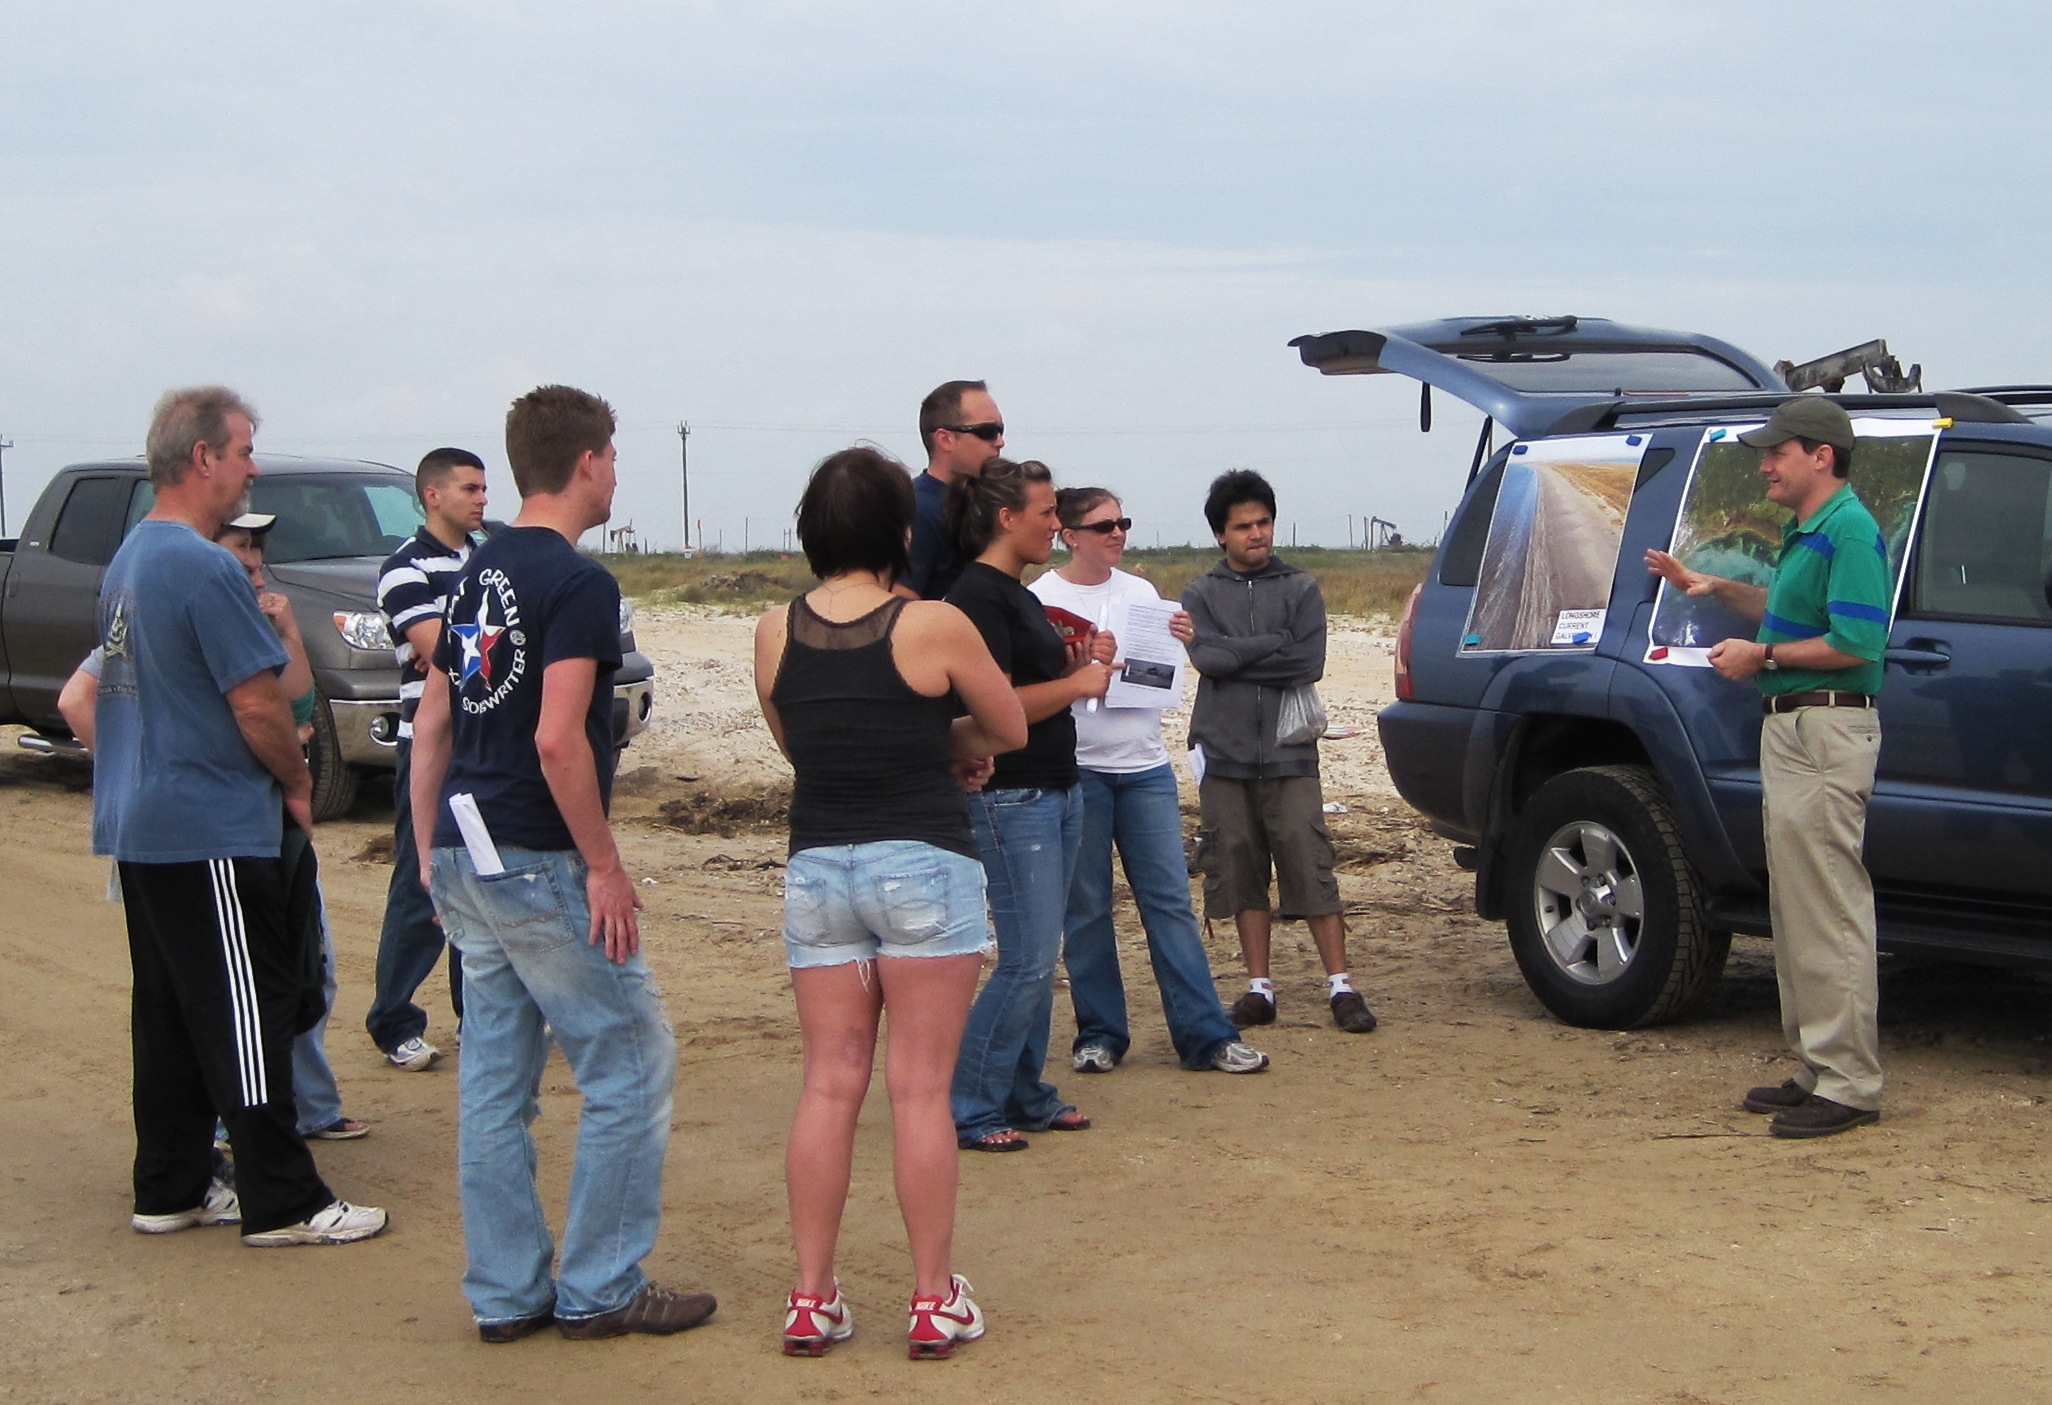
[[1771, 664]]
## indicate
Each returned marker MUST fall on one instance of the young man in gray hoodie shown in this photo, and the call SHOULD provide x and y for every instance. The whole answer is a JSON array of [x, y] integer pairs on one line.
[[1260, 633]]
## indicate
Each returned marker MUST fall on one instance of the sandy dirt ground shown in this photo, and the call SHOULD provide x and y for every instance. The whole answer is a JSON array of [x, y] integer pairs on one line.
[[1475, 1203]]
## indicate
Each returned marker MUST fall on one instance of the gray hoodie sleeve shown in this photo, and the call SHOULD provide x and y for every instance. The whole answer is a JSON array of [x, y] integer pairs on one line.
[[1295, 654]]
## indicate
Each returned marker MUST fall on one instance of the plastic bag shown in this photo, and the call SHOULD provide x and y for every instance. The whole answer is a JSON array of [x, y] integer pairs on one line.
[[1301, 718]]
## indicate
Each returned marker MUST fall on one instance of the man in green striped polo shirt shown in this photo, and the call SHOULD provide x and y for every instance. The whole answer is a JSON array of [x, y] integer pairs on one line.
[[1817, 664]]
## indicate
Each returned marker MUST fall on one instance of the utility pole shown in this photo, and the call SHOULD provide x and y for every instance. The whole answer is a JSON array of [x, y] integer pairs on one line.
[[5, 445], [684, 454]]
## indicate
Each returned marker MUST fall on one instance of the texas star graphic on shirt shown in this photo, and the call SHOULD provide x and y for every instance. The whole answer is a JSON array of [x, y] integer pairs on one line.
[[477, 640]]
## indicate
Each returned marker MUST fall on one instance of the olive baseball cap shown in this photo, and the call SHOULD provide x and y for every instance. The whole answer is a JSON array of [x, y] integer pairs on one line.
[[1805, 417]]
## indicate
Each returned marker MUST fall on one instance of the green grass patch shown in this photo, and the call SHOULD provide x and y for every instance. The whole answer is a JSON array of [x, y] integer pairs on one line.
[[1364, 583]]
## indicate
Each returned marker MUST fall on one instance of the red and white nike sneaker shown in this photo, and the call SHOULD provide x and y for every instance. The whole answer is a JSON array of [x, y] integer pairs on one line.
[[813, 1324], [939, 1323]]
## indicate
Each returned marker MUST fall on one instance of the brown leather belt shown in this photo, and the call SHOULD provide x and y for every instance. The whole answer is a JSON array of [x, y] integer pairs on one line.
[[1789, 702]]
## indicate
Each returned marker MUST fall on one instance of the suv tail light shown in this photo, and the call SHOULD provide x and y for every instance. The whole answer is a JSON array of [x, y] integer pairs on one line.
[[1403, 641]]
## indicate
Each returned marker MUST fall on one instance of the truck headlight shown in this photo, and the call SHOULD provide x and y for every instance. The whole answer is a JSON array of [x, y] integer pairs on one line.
[[626, 614], [363, 629]]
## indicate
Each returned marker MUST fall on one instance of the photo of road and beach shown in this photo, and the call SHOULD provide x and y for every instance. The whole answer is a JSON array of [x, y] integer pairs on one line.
[[1552, 548], [1726, 527]]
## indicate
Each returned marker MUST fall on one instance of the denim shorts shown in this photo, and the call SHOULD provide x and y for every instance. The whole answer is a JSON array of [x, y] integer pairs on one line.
[[895, 897]]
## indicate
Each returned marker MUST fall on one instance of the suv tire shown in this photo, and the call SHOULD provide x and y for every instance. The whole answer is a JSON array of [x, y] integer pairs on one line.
[[1605, 916], [334, 780]]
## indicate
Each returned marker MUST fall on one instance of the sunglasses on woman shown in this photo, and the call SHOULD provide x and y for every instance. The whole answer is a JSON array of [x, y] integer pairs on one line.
[[1106, 527]]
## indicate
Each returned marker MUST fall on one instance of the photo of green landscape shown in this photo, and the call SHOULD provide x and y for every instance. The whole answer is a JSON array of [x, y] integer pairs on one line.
[[1727, 527]]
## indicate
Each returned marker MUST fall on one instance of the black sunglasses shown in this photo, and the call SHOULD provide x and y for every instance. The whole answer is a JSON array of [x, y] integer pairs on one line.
[[990, 431], [1107, 527]]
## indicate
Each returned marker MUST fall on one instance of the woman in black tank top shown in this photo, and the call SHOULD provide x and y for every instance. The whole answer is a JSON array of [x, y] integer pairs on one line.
[[883, 894]]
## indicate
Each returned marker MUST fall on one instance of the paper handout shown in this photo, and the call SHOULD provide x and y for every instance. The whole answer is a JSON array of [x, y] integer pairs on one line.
[[1150, 666]]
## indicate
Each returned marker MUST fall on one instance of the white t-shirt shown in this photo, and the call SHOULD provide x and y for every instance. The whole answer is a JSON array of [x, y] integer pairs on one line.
[[1121, 740]]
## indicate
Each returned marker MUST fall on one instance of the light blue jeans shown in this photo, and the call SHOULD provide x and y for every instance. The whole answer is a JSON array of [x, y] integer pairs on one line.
[[527, 963], [313, 1082], [1028, 839], [1139, 813]]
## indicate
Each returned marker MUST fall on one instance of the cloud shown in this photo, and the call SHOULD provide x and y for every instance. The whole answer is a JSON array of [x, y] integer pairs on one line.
[[786, 221]]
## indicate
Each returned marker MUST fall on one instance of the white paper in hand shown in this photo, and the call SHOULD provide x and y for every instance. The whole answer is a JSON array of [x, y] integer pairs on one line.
[[484, 855]]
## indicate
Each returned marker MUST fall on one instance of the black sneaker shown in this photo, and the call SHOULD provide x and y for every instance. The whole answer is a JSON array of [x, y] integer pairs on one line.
[[1351, 1013], [1821, 1117], [1251, 1009], [1780, 1099], [656, 1311]]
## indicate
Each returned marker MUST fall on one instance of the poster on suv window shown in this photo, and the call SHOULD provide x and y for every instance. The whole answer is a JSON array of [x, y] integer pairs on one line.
[[1726, 527], [1553, 541]]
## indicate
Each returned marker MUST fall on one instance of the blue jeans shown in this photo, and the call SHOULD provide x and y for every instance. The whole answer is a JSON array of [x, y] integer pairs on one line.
[[409, 943], [1028, 839], [313, 1082], [1139, 812], [527, 962]]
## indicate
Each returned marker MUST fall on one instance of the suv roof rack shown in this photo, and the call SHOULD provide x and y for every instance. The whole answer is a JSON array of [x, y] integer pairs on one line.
[[1961, 406], [2012, 394]]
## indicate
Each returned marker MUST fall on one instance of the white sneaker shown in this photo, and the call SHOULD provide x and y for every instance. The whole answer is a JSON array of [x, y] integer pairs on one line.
[[813, 1324], [1235, 1057], [1093, 1058], [416, 1055], [938, 1323], [340, 1223], [219, 1207]]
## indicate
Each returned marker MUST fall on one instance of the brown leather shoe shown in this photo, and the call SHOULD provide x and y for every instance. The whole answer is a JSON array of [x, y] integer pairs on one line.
[[1351, 1013], [1780, 1099], [656, 1311], [499, 1333], [1821, 1117], [1251, 1009]]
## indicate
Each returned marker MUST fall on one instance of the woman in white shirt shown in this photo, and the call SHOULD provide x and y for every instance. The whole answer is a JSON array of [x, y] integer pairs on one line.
[[1129, 800]]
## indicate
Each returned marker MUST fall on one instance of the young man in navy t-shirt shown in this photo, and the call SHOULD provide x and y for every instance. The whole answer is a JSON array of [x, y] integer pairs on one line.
[[512, 774]]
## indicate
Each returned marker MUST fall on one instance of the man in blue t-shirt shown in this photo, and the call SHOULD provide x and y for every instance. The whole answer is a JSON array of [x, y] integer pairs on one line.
[[961, 431], [413, 591], [512, 772], [194, 743]]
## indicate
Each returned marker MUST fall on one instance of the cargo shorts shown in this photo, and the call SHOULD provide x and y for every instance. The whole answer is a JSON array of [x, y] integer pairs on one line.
[[1248, 829]]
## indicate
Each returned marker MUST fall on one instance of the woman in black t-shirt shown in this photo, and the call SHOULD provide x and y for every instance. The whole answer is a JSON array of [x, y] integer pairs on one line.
[[1028, 817], [883, 895]]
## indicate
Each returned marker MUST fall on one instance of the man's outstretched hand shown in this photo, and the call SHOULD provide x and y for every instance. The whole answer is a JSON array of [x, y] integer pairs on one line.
[[1671, 570]]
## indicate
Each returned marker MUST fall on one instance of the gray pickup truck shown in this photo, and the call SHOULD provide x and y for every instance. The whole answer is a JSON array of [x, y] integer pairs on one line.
[[337, 521]]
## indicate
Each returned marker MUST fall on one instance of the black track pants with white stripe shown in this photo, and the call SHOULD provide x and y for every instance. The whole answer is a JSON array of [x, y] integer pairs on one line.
[[216, 989]]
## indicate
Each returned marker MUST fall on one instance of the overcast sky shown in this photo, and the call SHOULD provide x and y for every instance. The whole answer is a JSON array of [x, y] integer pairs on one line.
[[785, 222]]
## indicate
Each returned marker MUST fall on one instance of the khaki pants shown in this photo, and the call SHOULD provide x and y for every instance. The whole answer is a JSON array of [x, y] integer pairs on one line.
[[1816, 775]]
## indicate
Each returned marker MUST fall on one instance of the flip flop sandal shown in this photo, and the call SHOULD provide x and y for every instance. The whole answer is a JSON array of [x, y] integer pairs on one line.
[[1070, 1121], [342, 1129], [1005, 1140]]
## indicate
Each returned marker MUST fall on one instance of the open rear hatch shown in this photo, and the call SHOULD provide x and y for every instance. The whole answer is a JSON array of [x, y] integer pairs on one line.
[[1525, 373]]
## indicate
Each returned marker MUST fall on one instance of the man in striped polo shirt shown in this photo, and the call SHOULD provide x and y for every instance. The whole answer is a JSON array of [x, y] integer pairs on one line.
[[413, 591], [1817, 664]]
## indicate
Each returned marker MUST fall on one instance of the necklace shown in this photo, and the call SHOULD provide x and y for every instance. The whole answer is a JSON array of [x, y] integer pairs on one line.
[[831, 591]]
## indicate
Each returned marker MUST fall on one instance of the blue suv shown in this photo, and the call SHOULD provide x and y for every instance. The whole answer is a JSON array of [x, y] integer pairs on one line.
[[1553, 720]]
